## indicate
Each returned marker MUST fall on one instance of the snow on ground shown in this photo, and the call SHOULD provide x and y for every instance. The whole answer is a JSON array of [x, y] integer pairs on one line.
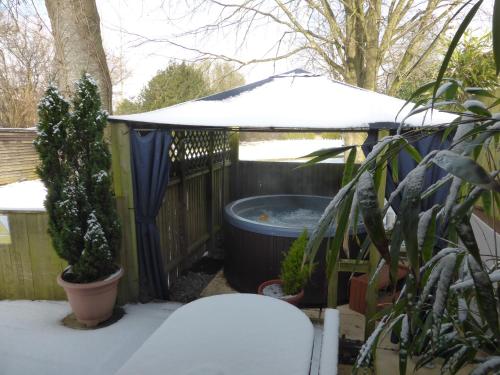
[[23, 196], [286, 149], [33, 340]]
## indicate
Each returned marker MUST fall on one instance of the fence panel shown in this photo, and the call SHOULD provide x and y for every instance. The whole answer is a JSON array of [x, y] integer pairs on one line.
[[28, 264], [18, 158], [261, 178], [190, 216]]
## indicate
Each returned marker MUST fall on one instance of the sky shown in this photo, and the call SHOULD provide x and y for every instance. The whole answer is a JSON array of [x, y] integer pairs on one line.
[[123, 21], [126, 23]]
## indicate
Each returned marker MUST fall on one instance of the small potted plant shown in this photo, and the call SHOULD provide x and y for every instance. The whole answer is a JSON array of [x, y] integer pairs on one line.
[[83, 223], [294, 274]]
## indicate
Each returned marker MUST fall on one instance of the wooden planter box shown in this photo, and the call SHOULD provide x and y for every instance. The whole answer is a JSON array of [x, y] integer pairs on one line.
[[359, 285]]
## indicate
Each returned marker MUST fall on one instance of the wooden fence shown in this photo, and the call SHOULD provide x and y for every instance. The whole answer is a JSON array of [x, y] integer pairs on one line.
[[28, 264], [18, 158], [261, 178], [191, 216], [189, 219]]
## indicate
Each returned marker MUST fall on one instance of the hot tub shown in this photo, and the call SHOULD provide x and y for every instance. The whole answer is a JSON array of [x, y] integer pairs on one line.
[[259, 230]]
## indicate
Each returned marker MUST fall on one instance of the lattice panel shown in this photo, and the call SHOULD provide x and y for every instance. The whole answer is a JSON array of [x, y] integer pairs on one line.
[[193, 147]]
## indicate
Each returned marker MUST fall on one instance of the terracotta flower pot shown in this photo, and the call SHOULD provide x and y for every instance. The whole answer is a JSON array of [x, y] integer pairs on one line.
[[294, 300], [92, 303]]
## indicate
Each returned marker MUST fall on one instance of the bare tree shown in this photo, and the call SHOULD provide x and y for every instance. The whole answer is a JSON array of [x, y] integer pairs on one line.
[[25, 64], [353, 40], [221, 76], [78, 45]]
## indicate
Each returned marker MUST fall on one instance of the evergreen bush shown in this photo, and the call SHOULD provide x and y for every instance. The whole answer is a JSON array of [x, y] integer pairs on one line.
[[75, 164], [294, 273]]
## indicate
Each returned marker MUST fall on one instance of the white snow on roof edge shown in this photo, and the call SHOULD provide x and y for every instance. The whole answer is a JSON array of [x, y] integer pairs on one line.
[[291, 101]]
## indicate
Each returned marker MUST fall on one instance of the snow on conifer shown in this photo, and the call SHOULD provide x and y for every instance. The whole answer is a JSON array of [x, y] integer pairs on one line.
[[75, 164]]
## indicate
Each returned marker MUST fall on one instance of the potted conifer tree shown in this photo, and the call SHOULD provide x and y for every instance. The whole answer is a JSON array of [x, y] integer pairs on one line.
[[83, 224], [294, 274]]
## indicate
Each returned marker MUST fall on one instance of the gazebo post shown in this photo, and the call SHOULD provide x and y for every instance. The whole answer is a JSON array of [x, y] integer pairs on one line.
[[234, 146], [119, 134], [211, 194], [374, 256]]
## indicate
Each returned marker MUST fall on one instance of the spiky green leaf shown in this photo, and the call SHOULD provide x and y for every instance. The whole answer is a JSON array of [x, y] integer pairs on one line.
[[426, 232], [465, 168], [477, 107], [371, 214], [490, 366], [496, 34], [443, 287], [454, 42], [409, 210], [323, 154], [485, 295]]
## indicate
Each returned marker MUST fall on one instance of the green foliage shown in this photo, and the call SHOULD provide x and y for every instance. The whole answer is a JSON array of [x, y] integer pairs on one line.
[[75, 164], [450, 305], [471, 62], [178, 83], [222, 76], [127, 107], [293, 272]]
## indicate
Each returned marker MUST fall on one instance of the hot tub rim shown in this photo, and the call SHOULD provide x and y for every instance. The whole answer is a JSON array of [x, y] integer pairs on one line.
[[242, 223]]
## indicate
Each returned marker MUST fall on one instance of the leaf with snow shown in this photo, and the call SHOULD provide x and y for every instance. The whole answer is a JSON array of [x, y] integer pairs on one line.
[[477, 107], [465, 168], [490, 366], [323, 154], [371, 214], [409, 210], [404, 338], [454, 362], [431, 281], [426, 232], [365, 355], [484, 295], [443, 288]]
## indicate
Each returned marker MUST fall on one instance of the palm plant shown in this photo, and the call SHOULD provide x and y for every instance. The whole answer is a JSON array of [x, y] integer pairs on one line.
[[449, 306]]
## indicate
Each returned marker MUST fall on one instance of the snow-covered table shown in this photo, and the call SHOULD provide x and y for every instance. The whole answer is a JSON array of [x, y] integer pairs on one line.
[[231, 334]]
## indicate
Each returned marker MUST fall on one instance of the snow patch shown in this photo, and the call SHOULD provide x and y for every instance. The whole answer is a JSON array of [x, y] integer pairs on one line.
[[35, 342], [287, 150], [23, 196]]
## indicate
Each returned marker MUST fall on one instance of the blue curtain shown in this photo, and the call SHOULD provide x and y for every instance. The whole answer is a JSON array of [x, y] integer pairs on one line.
[[150, 174], [406, 164]]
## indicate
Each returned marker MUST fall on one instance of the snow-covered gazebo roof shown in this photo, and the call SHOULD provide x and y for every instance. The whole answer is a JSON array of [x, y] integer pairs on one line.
[[297, 100]]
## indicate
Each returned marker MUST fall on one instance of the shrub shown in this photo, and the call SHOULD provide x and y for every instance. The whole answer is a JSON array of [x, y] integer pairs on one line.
[[74, 167], [294, 273]]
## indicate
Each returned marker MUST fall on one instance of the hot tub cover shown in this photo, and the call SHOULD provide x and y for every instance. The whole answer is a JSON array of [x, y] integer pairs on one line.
[[297, 100], [244, 334]]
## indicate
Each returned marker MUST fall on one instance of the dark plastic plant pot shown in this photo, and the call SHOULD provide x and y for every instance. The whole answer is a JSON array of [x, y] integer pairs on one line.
[[294, 300]]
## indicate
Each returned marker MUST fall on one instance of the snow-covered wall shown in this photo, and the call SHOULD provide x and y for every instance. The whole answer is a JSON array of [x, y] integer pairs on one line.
[[23, 196]]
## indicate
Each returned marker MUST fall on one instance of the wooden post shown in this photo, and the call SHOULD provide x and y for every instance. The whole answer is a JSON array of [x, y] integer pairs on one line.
[[184, 241], [374, 256], [122, 183], [234, 145], [211, 193]]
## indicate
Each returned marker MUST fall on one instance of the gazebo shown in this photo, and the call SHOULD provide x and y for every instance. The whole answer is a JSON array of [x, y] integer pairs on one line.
[[197, 141]]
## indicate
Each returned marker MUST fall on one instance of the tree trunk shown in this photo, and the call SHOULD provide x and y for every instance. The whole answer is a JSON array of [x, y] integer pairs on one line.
[[77, 37]]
